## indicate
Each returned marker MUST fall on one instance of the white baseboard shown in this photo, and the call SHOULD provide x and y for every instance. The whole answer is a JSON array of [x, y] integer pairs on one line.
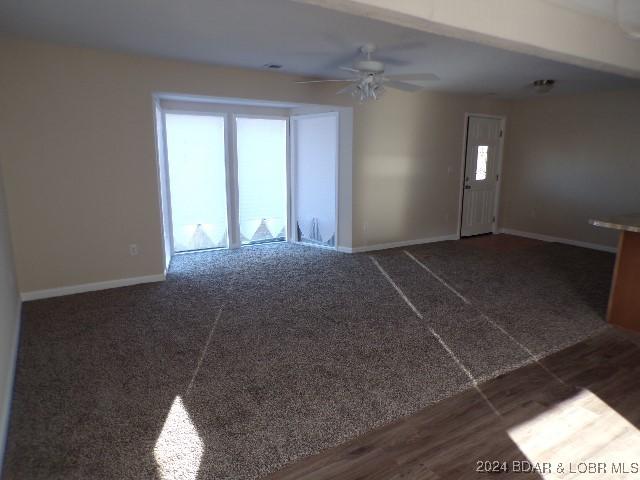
[[89, 287], [405, 243], [5, 406], [567, 241]]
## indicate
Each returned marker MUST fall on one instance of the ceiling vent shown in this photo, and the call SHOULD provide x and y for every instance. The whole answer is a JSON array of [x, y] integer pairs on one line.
[[543, 86]]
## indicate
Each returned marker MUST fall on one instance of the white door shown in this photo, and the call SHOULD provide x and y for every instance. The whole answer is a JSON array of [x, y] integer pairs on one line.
[[481, 175], [314, 141]]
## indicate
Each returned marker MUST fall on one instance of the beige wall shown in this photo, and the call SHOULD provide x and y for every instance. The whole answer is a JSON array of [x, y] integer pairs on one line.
[[80, 162], [79, 154], [407, 165], [570, 159], [9, 324], [81, 167]]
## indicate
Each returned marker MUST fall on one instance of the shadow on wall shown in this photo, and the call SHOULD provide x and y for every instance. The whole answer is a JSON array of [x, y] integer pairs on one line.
[[407, 176], [392, 173]]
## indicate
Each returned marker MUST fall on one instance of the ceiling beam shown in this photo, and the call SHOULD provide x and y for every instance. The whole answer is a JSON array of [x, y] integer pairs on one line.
[[536, 27]]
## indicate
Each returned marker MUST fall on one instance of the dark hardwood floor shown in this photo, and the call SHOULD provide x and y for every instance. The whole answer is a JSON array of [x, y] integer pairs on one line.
[[578, 409]]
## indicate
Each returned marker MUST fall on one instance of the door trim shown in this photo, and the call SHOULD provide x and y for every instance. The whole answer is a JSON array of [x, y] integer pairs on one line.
[[463, 165]]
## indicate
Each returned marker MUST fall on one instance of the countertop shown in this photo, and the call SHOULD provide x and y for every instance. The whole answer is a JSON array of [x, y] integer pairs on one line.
[[630, 223]]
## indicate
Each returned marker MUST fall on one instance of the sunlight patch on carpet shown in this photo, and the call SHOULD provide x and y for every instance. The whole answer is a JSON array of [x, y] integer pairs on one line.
[[179, 449]]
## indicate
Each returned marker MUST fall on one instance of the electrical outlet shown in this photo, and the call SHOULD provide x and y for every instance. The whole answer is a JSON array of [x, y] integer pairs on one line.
[[133, 249]]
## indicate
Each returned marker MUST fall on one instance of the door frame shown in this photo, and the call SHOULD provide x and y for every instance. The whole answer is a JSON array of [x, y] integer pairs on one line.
[[292, 171], [463, 166]]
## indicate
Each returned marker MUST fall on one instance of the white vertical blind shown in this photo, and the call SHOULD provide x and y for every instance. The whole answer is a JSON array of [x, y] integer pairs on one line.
[[197, 181], [261, 145], [315, 157]]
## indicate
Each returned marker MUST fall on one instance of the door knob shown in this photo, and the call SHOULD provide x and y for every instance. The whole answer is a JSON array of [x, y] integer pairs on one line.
[[467, 187]]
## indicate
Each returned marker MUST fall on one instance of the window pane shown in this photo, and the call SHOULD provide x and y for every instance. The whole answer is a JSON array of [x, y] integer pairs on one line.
[[197, 181], [262, 179], [316, 145], [481, 163]]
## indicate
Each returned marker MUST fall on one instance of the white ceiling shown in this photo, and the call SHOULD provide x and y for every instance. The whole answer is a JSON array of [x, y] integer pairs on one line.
[[305, 39], [624, 14], [601, 8]]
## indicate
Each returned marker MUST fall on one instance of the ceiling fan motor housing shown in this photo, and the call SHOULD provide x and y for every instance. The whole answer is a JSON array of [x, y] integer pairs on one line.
[[369, 66]]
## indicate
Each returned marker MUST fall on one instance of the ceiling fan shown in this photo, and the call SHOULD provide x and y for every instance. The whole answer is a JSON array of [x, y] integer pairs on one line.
[[369, 80]]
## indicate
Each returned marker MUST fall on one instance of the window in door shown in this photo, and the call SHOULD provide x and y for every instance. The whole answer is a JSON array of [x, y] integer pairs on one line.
[[481, 162]]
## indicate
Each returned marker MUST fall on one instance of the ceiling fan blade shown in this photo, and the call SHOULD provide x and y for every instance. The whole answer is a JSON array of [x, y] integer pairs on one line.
[[329, 59], [345, 59], [392, 60], [328, 80], [422, 77], [340, 42], [405, 87], [349, 69], [349, 89]]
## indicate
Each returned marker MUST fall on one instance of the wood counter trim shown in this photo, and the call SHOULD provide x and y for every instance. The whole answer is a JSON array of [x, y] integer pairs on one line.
[[624, 300]]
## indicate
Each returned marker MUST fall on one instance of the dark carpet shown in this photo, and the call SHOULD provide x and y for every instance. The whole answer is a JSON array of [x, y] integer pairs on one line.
[[243, 361]]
